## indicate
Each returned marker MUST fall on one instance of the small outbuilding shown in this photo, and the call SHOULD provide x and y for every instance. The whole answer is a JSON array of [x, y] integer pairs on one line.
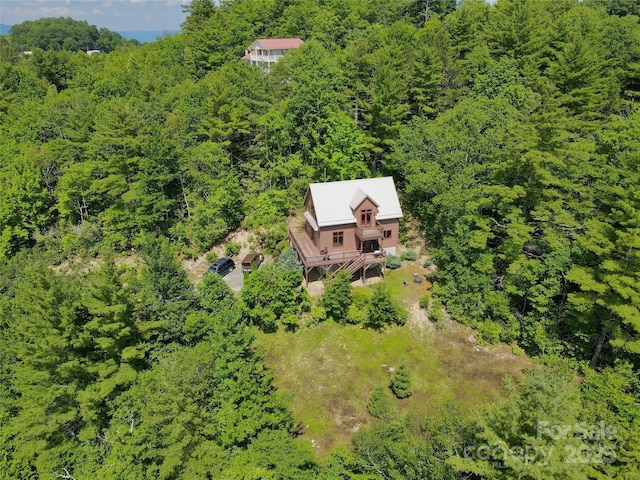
[[251, 262]]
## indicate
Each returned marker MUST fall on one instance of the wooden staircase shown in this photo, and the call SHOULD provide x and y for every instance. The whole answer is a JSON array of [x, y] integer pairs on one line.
[[356, 263], [353, 265]]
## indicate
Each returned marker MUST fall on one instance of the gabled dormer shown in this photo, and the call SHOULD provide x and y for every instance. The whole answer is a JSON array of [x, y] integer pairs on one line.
[[364, 208]]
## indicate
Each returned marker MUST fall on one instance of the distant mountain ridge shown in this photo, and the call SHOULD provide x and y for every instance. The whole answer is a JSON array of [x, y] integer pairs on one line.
[[143, 36]]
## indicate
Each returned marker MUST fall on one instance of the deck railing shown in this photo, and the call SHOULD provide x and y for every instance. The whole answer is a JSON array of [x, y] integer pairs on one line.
[[371, 232], [265, 58], [375, 257], [335, 258]]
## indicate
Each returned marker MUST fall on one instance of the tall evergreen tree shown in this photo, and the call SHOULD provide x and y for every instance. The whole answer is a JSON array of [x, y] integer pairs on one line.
[[49, 370]]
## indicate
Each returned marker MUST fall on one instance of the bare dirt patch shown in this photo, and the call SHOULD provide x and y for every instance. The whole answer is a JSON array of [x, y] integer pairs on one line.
[[315, 289], [419, 322], [197, 267], [77, 265], [84, 266]]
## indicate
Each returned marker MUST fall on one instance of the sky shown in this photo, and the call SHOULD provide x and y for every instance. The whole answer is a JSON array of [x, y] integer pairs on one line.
[[116, 15]]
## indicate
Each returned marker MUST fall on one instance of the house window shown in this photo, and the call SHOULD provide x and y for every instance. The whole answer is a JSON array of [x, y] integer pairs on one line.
[[338, 239], [365, 218], [387, 234]]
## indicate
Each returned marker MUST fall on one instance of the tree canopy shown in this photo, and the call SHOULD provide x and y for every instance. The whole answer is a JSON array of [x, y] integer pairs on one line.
[[511, 130], [61, 33]]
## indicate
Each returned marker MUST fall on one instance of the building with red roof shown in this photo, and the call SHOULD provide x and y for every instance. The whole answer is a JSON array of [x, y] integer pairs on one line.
[[264, 52]]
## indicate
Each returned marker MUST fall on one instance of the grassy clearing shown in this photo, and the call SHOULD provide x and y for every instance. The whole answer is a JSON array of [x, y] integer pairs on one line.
[[331, 369], [405, 294]]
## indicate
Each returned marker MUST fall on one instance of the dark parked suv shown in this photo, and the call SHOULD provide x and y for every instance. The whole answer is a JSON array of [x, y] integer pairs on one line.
[[222, 266]]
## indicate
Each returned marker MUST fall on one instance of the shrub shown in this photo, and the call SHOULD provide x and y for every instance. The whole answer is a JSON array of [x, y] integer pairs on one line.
[[383, 310], [401, 315], [357, 315], [409, 255], [401, 385], [489, 331], [290, 322], [435, 314], [337, 296], [231, 249], [424, 300], [393, 262], [303, 302], [211, 257], [289, 261], [359, 308], [318, 314], [380, 404], [281, 246]]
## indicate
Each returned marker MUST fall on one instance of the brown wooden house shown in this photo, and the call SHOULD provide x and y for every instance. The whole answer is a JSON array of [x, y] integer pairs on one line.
[[349, 225]]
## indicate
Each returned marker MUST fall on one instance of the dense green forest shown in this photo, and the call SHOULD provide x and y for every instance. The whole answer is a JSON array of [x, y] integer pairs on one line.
[[512, 133], [64, 34]]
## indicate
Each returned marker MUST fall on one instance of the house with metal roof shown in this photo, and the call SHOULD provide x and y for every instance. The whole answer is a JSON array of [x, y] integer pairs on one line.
[[348, 225], [265, 52]]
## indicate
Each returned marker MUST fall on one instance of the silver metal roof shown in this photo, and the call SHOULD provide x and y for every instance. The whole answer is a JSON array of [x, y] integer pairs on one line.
[[334, 201]]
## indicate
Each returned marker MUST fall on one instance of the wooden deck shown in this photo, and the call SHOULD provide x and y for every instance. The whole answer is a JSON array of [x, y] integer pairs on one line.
[[370, 233], [350, 261]]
